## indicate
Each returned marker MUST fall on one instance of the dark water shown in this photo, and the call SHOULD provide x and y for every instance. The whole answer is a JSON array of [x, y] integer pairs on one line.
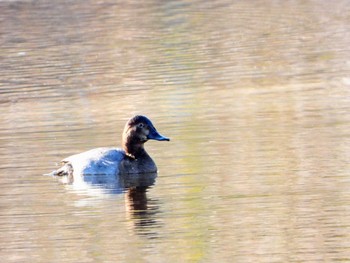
[[255, 96]]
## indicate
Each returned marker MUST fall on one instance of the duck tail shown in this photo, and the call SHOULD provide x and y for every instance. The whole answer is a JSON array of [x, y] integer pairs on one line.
[[66, 169]]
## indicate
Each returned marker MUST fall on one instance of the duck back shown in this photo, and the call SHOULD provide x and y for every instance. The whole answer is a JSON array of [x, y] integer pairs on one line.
[[104, 160]]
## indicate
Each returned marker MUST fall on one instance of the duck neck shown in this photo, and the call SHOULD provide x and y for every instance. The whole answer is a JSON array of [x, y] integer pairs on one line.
[[134, 150]]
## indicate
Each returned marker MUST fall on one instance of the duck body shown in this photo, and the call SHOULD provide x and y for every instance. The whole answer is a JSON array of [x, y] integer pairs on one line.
[[131, 159]]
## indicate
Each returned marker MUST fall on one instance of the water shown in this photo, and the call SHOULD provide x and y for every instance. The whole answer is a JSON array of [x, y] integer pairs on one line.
[[255, 96]]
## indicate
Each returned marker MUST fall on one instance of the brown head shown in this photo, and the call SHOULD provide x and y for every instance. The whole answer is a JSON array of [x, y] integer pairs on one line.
[[138, 130]]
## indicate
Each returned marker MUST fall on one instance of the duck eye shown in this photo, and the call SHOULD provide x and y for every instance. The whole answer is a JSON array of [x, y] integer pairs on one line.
[[140, 125]]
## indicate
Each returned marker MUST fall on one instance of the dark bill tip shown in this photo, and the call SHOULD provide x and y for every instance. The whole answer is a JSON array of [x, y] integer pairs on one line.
[[158, 137], [164, 139]]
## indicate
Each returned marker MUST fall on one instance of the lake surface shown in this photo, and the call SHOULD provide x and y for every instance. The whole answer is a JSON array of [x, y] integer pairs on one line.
[[255, 96]]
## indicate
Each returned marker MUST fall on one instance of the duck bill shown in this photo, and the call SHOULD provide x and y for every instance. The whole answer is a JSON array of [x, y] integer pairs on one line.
[[154, 135]]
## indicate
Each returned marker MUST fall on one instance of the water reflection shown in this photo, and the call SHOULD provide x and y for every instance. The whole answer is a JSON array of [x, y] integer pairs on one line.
[[143, 212], [104, 185]]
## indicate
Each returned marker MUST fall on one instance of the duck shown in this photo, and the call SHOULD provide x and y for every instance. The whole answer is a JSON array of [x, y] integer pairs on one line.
[[132, 158]]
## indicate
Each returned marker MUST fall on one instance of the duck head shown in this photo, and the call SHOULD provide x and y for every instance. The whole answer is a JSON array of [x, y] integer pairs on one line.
[[137, 131]]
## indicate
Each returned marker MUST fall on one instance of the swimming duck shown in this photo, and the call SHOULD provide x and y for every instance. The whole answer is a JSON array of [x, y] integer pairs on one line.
[[131, 159]]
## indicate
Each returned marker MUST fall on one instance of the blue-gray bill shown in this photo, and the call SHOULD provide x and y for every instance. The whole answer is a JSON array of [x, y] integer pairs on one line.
[[154, 135]]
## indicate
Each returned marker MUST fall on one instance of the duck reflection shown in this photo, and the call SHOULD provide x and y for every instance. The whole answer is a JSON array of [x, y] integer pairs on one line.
[[103, 185], [142, 212]]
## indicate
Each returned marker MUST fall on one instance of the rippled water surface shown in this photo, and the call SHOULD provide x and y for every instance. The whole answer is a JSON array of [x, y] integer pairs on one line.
[[255, 96]]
